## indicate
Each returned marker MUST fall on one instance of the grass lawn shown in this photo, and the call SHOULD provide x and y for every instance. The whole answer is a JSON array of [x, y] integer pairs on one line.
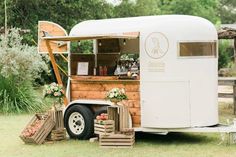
[[147, 145]]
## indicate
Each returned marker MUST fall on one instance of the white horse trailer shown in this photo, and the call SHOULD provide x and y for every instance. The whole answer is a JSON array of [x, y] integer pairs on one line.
[[177, 72]]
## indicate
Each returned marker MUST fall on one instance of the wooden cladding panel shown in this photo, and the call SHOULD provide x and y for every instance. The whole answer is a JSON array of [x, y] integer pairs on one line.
[[98, 90], [103, 87], [100, 95]]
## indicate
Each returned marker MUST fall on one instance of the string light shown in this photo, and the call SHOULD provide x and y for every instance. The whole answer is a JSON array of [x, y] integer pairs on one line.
[[99, 43], [124, 42]]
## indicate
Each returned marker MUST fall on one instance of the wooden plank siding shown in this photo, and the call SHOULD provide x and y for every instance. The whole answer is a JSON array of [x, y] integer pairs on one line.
[[82, 89]]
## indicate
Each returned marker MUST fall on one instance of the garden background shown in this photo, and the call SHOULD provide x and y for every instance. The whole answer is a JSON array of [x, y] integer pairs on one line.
[[23, 72]]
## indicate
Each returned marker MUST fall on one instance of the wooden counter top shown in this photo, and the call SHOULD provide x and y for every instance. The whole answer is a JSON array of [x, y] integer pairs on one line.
[[100, 79]]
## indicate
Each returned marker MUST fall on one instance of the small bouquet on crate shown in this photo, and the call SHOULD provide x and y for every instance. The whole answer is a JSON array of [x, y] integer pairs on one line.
[[116, 95], [54, 91]]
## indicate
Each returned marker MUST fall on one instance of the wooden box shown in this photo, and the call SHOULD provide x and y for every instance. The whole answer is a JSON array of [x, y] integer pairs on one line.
[[116, 141], [104, 127], [57, 135], [40, 135], [57, 115]]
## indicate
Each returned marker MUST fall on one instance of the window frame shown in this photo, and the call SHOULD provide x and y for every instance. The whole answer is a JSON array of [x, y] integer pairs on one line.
[[197, 41]]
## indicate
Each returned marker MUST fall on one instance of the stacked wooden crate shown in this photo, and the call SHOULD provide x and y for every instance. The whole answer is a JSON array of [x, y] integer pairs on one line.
[[123, 136], [58, 132], [116, 141]]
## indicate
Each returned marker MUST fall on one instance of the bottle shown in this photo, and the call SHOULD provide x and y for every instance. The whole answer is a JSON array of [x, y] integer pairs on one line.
[[94, 71], [105, 70], [100, 71]]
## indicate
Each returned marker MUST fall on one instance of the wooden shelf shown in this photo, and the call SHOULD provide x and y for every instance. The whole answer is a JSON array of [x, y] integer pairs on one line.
[[75, 78]]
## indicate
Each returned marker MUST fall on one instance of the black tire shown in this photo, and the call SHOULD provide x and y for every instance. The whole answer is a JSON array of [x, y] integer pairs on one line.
[[87, 120]]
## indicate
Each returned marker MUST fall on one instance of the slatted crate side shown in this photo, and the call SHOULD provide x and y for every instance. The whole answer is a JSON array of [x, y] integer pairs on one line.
[[112, 112], [104, 127], [116, 141], [59, 119], [56, 135], [57, 115], [45, 131], [134, 110], [41, 133], [31, 139]]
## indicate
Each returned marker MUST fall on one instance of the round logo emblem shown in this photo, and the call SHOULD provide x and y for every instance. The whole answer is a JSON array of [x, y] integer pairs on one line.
[[156, 45]]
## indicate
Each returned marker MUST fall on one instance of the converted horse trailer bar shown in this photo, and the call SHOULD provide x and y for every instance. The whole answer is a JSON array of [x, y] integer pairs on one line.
[[176, 87]]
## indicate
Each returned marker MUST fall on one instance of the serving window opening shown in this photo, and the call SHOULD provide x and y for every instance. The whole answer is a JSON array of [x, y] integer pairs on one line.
[[114, 57], [196, 49]]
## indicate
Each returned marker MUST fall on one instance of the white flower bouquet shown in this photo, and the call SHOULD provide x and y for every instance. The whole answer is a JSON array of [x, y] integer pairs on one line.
[[116, 95]]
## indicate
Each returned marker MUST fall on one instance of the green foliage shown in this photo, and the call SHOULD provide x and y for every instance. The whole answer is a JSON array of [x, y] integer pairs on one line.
[[84, 46], [225, 54], [227, 11], [18, 97], [206, 9], [20, 64], [19, 60], [128, 8], [25, 14]]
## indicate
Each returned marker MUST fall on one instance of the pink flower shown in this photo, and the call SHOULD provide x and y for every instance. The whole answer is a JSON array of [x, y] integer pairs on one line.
[[55, 94], [49, 92]]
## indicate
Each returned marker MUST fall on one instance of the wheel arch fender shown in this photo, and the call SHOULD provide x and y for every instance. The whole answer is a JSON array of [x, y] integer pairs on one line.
[[88, 103]]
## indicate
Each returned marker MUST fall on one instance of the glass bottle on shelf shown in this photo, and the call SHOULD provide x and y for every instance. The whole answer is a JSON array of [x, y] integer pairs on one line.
[[100, 71], [105, 70]]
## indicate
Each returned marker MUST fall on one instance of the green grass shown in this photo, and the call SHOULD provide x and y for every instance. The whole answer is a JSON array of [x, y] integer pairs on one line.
[[147, 145]]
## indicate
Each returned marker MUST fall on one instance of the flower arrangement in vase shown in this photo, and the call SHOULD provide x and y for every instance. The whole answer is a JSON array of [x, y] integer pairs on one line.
[[54, 90], [116, 95]]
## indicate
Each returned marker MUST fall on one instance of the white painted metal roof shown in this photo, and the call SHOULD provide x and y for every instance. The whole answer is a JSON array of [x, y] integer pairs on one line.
[[136, 24]]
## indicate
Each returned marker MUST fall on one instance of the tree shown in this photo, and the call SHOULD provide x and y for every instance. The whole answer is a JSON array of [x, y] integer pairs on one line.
[[129, 8], [206, 9], [227, 11], [25, 14]]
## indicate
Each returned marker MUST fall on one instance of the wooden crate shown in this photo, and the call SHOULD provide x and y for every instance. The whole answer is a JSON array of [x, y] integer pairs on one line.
[[41, 134], [104, 127], [57, 135], [116, 141], [123, 117], [127, 131], [120, 115], [113, 114], [57, 115]]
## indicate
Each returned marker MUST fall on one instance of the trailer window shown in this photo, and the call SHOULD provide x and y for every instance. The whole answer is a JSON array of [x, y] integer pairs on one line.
[[187, 49]]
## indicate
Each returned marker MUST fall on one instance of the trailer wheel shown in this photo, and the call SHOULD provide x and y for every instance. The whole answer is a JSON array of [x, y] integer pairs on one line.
[[79, 123]]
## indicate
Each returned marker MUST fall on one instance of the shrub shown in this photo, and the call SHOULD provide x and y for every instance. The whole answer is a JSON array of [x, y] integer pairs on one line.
[[20, 65], [225, 54], [18, 98], [19, 60]]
